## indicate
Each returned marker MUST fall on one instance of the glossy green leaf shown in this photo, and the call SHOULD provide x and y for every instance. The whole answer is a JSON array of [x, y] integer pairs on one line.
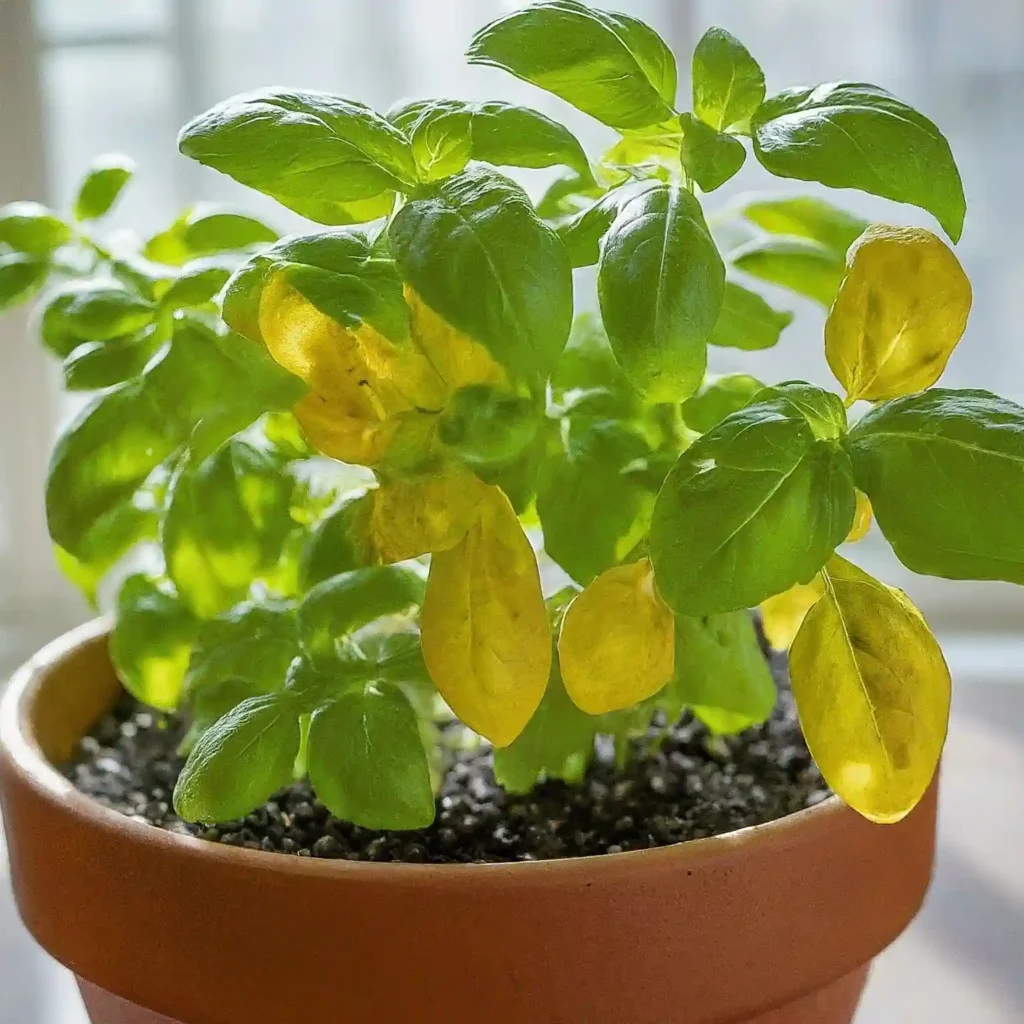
[[823, 410], [583, 233], [799, 264], [609, 65], [102, 185], [151, 641], [709, 157], [806, 217], [476, 252], [388, 655], [95, 310], [747, 321], [102, 364], [339, 543], [718, 398], [757, 504], [660, 283], [591, 508], [240, 761], [32, 228], [367, 761], [721, 672], [728, 84], [199, 283], [21, 276], [320, 155], [945, 473], [854, 135], [209, 230]]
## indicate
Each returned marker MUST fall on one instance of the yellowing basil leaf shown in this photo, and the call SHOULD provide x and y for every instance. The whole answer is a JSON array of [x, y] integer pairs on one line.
[[608, 65], [320, 155], [807, 217], [901, 310], [709, 157], [616, 646], [862, 519], [102, 185], [747, 321], [719, 398], [412, 516], [367, 761], [660, 283], [728, 84], [945, 473], [656, 146], [484, 626], [873, 693], [854, 135], [799, 264], [782, 614]]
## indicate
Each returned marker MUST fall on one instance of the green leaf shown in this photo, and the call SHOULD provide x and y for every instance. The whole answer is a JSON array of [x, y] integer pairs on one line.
[[557, 743], [342, 604], [583, 233], [103, 364], [799, 264], [854, 135], [807, 217], [367, 762], [588, 503], [722, 673], [486, 427], [660, 283], [388, 656], [945, 474], [102, 185], [709, 157], [93, 310], [823, 410], [315, 153], [21, 276], [151, 641], [32, 228], [207, 231], [476, 252], [728, 84], [719, 398], [339, 543], [747, 321], [757, 504], [567, 195], [588, 380], [608, 65], [240, 761], [199, 283]]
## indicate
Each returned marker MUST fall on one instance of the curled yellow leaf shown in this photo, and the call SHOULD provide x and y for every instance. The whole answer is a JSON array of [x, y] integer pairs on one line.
[[862, 517], [873, 693], [901, 310], [484, 627], [617, 642], [412, 516], [364, 388], [782, 615]]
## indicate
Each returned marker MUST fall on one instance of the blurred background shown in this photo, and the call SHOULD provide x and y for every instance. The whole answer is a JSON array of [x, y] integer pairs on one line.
[[81, 77]]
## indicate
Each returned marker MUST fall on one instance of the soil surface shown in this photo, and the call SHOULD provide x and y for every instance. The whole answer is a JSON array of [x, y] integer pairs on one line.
[[691, 786]]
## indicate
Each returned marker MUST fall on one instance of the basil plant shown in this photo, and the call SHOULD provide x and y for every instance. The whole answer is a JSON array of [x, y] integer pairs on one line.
[[346, 444]]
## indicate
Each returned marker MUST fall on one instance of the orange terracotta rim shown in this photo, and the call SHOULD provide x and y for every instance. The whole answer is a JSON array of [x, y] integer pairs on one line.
[[729, 926]]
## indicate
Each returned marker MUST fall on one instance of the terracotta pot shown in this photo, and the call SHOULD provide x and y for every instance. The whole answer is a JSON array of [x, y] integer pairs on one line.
[[771, 925]]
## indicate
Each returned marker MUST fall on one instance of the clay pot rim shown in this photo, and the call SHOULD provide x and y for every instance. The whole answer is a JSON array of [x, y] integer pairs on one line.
[[26, 757]]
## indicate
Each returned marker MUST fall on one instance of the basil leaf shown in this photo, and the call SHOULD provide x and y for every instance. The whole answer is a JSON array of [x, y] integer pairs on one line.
[[367, 762], [587, 502], [709, 157], [608, 65], [476, 252], [854, 135], [339, 543], [208, 231], [756, 505], [102, 364], [102, 185], [488, 427], [728, 84], [746, 320], [588, 381], [799, 264], [719, 398], [199, 283], [583, 233], [945, 474], [566, 196], [241, 760], [151, 641], [95, 310], [721, 672], [807, 217], [21, 276], [660, 284], [823, 410], [315, 153], [32, 228], [391, 657]]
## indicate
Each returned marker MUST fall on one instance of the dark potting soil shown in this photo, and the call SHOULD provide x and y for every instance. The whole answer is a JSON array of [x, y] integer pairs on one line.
[[691, 786]]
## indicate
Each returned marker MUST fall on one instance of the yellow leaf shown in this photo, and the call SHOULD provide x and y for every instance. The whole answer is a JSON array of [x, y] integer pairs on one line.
[[485, 633], [873, 692], [862, 517], [364, 389], [412, 516], [782, 614], [617, 642], [900, 311]]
